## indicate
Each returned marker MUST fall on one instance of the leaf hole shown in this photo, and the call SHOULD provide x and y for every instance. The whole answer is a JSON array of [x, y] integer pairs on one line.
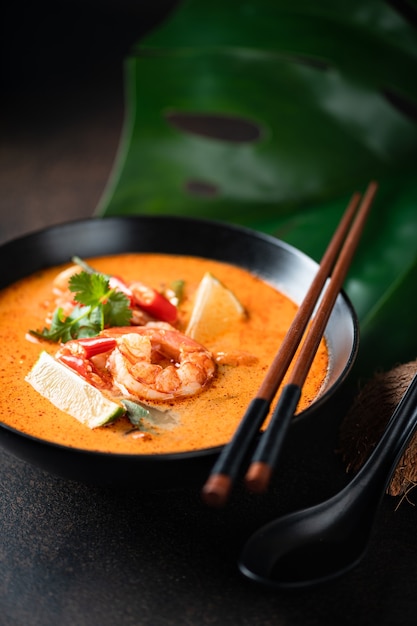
[[201, 188], [406, 9], [229, 128], [404, 105]]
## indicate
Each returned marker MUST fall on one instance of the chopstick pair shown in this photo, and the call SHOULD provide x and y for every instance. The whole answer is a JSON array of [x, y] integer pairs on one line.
[[334, 264]]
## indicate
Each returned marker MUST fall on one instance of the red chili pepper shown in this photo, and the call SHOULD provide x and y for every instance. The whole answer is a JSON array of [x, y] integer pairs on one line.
[[154, 303], [96, 345], [147, 298], [76, 363]]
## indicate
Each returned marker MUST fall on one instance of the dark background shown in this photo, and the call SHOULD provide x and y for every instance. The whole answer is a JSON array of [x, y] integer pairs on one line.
[[62, 103]]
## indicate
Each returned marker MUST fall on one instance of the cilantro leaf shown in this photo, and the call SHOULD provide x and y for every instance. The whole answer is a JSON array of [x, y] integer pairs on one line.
[[63, 328], [117, 311], [89, 289], [98, 307]]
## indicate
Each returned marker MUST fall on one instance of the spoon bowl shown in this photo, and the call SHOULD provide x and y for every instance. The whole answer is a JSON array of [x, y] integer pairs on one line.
[[317, 544]]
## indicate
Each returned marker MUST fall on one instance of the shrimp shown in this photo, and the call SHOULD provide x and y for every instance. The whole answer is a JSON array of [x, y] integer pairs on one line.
[[157, 362]]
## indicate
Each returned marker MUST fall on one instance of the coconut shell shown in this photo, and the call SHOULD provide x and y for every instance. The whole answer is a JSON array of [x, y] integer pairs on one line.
[[365, 422]]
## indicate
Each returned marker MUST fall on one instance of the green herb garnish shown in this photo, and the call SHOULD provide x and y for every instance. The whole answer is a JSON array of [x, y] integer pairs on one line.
[[177, 287], [99, 307], [148, 419]]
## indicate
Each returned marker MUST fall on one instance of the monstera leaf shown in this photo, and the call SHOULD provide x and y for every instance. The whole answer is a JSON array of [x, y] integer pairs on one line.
[[270, 113]]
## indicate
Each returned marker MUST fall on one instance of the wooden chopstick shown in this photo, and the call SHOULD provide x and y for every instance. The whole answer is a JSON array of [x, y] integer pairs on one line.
[[225, 471], [220, 482], [265, 457]]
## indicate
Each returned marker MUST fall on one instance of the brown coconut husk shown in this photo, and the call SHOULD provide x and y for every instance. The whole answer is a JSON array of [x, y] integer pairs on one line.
[[365, 422]]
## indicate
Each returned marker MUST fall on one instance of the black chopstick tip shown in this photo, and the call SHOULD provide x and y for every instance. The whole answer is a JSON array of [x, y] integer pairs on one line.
[[217, 489], [258, 477]]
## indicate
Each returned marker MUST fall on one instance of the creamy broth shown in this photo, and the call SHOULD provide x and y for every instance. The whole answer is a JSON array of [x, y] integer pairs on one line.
[[208, 419]]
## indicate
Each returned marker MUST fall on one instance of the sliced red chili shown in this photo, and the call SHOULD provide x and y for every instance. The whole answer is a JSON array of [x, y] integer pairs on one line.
[[154, 303], [76, 363], [96, 345]]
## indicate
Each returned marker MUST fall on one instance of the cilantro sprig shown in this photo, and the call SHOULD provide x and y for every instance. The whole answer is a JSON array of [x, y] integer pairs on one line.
[[99, 306]]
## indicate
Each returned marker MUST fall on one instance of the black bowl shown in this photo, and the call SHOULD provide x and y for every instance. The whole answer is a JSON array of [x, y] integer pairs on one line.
[[278, 263]]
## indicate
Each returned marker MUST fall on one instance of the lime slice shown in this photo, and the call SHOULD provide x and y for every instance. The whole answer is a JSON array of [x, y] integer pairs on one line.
[[216, 309], [71, 393]]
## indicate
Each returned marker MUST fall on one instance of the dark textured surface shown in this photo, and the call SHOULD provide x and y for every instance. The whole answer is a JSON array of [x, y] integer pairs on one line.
[[73, 554]]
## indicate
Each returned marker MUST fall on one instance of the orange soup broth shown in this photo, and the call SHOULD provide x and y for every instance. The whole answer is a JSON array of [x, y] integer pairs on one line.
[[208, 419]]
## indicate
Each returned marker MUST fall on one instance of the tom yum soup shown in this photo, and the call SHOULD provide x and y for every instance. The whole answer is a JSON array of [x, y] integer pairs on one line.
[[140, 353]]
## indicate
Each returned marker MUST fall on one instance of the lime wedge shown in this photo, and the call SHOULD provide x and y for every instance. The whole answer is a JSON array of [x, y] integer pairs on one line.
[[71, 393], [216, 309]]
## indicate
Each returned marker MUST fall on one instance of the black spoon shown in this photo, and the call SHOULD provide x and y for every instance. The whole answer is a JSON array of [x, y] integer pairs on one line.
[[324, 541]]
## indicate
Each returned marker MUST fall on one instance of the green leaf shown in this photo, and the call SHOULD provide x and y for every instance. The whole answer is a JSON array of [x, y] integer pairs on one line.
[[331, 91], [93, 323], [109, 306], [89, 289], [116, 310], [136, 413], [148, 419]]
